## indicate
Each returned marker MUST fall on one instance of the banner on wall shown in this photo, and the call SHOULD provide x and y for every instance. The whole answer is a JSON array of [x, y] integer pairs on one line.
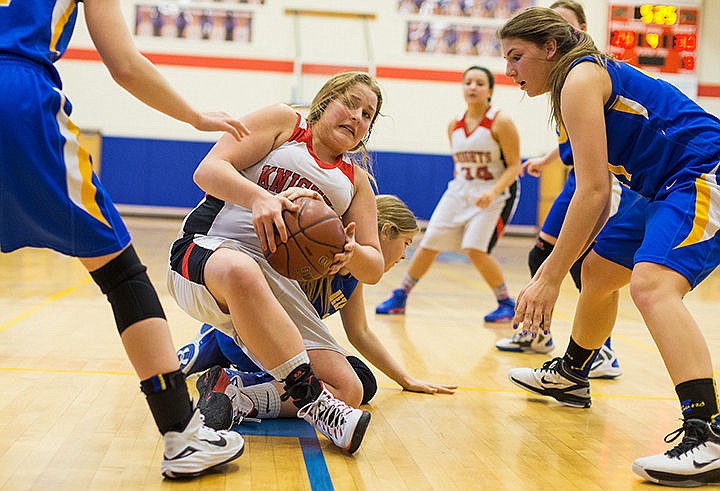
[[170, 20], [457, 27], [659, 38]]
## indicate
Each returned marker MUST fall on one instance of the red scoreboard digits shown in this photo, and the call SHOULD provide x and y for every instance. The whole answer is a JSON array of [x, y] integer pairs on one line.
[[656, 37]]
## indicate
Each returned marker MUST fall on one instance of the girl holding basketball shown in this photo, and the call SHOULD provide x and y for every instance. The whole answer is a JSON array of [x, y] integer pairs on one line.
[[658, 142], [219, 275], [214, 350]]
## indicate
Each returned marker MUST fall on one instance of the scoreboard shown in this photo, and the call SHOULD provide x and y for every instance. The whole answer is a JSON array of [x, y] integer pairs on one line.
[[657, 37]]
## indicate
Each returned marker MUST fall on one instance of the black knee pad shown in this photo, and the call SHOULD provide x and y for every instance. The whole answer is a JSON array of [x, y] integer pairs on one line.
[[538, 255], [366, 378], [128, 289]]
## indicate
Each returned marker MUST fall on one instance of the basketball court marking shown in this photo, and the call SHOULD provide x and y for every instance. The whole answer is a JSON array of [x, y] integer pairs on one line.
[[315, 465]]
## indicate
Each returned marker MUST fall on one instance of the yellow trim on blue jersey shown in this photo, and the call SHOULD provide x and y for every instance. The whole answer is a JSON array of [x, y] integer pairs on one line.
[[4, 3], [625, 105], [619, 170], [706, 222], [562, 134], [65, 10], [78, 167]]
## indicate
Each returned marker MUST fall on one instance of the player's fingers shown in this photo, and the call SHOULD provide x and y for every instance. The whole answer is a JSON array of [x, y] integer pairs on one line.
[[260, 232]]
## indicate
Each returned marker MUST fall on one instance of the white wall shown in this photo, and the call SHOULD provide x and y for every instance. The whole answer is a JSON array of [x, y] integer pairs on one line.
[[415, 112]]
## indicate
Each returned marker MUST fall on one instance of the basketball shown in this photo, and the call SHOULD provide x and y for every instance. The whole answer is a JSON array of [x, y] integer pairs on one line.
[[315, 235]]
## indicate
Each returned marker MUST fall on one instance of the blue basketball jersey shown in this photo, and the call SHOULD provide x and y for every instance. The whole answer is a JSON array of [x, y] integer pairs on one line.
[[51, 197], [654, 130], [37, 30], [342, 288]]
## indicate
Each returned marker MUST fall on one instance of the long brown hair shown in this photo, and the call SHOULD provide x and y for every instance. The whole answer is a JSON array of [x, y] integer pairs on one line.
[[538, 25]]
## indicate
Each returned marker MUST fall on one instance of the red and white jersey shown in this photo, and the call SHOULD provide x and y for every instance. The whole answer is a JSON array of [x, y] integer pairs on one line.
[[292, 164], [476, 153]]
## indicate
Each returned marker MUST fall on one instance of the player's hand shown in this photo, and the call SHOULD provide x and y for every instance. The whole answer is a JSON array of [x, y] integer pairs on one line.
[[342, 258], [487, 197], [267, 217], [416, 385], [534, 167], [294, 193], [220, 121], [534, 306]]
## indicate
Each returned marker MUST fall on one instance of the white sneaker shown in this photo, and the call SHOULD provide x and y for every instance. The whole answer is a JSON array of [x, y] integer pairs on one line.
[[198, 449], [555, 381], [342, 424], [605, 364], [693, 462], [542, 343]]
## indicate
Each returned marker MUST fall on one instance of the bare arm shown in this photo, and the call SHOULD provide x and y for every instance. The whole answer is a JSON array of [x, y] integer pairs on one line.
[[217, 174], [370, 347], [133, 72], [583, 95], [535, 166], [366, 263]]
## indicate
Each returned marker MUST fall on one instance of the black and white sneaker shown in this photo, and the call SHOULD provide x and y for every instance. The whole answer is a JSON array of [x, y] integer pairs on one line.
[[197, 449], [554, 380], [222, 403], [695, 461]]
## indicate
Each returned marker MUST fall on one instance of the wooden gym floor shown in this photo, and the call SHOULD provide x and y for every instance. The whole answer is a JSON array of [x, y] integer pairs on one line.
[[72, 416]]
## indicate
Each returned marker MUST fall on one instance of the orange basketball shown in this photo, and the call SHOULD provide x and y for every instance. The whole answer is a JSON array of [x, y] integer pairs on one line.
[[315, 235]]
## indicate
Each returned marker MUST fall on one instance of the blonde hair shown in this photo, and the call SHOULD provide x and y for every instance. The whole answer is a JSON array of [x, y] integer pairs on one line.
[[338, 87], [538, 25], [392, 211]]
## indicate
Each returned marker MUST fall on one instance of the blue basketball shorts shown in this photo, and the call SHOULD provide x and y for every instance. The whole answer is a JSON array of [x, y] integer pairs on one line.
[[556, 216], [624, 231], [49, 195], [682, 223]]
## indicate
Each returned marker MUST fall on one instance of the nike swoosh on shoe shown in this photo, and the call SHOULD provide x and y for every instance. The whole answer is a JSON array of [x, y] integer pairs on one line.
[[220, 442]]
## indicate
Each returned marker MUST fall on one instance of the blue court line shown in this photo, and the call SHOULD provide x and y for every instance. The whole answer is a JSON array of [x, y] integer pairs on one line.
[[312, 453]]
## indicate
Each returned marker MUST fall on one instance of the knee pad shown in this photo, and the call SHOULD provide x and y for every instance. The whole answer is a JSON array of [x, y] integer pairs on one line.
[[538, 255], [366, 377], [128, 289]]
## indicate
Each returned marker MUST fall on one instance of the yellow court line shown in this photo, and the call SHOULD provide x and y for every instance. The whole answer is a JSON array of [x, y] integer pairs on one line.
[[70, 372], [52, 298], [520, 391]]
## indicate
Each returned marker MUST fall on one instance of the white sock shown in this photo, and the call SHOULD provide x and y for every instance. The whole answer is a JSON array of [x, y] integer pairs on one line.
[[266, 399]]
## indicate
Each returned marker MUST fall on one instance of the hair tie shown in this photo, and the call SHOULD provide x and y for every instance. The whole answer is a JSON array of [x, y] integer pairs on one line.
[[575, 30]]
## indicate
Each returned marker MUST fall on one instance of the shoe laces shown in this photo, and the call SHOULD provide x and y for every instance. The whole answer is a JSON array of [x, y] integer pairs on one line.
[[327, 412], [552, 366], [695, 431]]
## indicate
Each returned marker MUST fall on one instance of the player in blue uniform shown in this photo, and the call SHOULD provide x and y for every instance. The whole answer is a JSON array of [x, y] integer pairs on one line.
[[50, 198], [211, 348], [662, 145], [605, 364]]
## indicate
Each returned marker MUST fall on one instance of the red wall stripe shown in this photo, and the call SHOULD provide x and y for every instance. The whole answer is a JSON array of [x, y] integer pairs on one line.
[[286, 66]]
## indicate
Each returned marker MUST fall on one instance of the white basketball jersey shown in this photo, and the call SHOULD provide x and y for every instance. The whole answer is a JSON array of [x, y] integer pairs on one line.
[[476, 153], [292, 164]]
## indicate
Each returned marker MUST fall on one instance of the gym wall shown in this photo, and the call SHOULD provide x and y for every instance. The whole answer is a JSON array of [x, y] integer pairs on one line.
[[148, 159]]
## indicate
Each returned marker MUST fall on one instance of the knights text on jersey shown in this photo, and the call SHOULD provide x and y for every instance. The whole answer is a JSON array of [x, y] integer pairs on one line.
[[476, 153], [292, 164]]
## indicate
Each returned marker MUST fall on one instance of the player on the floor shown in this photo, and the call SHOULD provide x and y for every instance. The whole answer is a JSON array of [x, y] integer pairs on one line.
[[606, 364], [664, 146], [50, 198], [478, 202], [218, 273], [396, 228]]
